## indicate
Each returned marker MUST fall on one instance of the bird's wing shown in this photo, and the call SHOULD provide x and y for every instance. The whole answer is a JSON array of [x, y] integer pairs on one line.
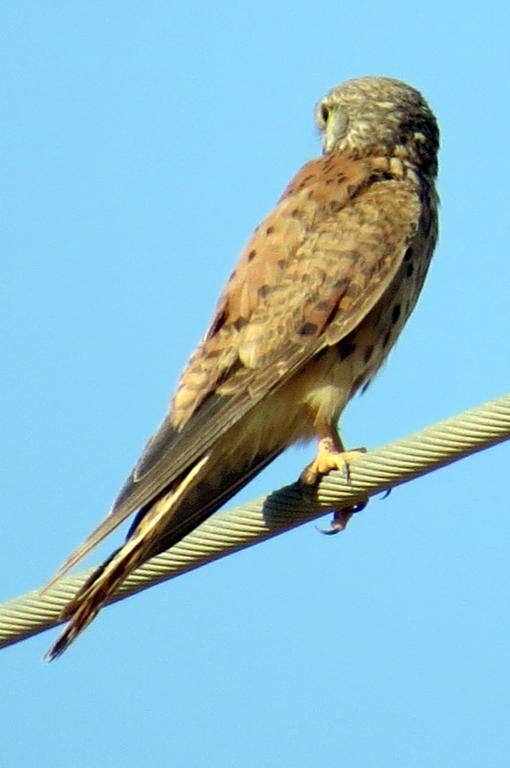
[[311, 272]]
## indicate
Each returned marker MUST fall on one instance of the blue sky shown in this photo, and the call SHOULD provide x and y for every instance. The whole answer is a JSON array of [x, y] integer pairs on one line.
[[140, 144]]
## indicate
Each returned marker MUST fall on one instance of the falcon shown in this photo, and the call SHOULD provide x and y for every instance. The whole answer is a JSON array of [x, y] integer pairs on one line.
[[316, 301]]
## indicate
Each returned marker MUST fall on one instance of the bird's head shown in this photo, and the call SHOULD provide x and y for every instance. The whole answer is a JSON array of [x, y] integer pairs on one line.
[[379, 115]]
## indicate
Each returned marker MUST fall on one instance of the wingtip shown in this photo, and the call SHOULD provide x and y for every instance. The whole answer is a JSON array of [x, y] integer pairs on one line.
[[97, 535], [62, 571]]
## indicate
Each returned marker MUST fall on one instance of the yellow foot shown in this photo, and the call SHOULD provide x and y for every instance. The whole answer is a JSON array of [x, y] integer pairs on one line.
[[328, 458]]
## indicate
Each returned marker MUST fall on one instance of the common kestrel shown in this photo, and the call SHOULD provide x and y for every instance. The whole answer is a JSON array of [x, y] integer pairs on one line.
[[314, 305]]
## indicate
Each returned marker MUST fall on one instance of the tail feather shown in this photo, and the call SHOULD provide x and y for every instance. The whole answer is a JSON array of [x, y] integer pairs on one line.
[[92, 596], [157, 527], [82, 609], [103, 583]]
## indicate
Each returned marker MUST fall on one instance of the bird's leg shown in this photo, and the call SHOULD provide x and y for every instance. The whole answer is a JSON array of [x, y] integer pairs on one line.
[[331, 454]]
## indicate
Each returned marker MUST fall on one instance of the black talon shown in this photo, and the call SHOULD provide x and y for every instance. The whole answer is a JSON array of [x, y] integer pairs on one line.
[[338, 525], [331, 531]]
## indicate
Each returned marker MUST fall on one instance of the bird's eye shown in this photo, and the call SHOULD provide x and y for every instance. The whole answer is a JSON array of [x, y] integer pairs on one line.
[[324, 113]]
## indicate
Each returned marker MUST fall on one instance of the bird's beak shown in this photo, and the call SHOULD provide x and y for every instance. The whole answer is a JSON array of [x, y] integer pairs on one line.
[[335, 129]]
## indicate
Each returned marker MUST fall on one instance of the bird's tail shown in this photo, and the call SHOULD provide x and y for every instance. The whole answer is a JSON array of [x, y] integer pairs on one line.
[[104, 581]]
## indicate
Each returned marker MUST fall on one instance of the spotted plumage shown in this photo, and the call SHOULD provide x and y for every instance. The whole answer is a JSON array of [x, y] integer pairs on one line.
[[314, 305]]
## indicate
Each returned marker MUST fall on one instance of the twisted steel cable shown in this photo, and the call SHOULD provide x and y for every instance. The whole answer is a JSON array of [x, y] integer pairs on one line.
[[379, 470]]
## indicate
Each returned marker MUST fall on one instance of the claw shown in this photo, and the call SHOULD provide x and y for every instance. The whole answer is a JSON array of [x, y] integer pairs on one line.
[[340, 519], [331, 530]]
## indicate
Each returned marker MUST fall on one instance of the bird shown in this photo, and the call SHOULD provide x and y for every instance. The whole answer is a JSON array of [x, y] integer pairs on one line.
[[318, 298]]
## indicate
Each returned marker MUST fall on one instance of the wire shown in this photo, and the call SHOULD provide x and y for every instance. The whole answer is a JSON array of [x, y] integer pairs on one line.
[[248, 524]]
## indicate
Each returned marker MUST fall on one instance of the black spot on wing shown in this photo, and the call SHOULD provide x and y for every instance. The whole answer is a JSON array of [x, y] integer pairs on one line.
[[307, 329], [264, 291], [345, 348], [395, 314]]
